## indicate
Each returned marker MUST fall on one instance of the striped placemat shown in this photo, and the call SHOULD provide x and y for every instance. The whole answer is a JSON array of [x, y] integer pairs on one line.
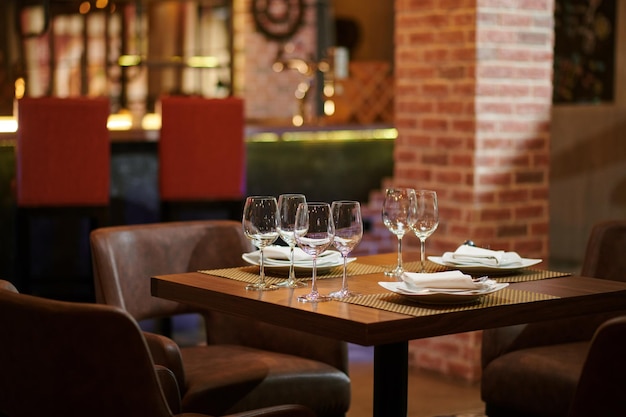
[[522, 275], [250, 274], [399, 304]]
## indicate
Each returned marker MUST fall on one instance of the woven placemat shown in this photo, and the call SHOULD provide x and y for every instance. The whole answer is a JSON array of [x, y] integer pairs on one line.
[[399, 304], [522, 275], [250, 274]]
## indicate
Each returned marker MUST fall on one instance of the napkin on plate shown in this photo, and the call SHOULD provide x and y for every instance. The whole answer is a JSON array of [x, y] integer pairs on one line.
[[284, 253], [443, 280], [474, 254]]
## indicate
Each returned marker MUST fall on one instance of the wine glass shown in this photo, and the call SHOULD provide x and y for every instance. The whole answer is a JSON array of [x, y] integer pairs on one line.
[[314, 234], [260, 225], [426, 220], [348, 234], [398, 205], [287, 207]]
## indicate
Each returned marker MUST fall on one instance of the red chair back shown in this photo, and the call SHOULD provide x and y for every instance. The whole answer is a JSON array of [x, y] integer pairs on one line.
[[63, 152], [201, 149]]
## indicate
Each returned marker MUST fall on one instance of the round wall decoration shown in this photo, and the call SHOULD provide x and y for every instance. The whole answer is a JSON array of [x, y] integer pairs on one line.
[[278, 19]]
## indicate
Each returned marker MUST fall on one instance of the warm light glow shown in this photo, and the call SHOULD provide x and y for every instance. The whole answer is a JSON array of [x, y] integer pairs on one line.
[[297, 120], [20, 88], [342, 135], [84, 7], [101, 4], [8, 124], [151, 121], [329, 107], [329, 90], [301, 91], [203, 62], [129, 60], [120, 121]]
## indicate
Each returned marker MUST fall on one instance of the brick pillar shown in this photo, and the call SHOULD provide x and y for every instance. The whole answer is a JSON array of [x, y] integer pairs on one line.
[[473, 103]]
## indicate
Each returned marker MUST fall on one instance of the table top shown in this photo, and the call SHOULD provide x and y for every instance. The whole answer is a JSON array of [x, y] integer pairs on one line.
[[543, 299]]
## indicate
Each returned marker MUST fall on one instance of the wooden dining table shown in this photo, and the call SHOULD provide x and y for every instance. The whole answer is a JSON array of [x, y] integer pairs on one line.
[[388, 321]]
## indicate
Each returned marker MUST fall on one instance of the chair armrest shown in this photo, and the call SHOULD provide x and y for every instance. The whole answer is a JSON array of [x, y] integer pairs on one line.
[[497, 342], [288, 410], [169, 387], [165, 352], [600, 389]]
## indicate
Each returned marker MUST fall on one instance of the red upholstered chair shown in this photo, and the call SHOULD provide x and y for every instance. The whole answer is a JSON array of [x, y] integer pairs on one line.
[[201, 158], [63, 168]]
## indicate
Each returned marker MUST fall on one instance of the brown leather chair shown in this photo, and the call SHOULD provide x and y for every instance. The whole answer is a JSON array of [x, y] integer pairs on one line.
[[6, 285], [601, 387], [77, 359], [534, 369], [244, 364]]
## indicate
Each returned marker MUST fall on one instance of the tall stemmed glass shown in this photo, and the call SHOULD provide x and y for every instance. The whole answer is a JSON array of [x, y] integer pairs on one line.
[[398, 205], [314, 234], [426, 220], [260, 225], [348, 234], [287, 206]]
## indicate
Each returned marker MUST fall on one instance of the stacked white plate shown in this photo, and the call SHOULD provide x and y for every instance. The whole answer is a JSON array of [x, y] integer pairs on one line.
[[277, 260], [473, 260], [442, 287], [441, 295]]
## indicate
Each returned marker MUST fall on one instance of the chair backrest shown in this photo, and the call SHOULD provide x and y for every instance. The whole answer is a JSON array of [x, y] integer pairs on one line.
[[74, 360], [201, 149], [606, 248], [7, 286], [126, 257], [63, 152], [601, 388]]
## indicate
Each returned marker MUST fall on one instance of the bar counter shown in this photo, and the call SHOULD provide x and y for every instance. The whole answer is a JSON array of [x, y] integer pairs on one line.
[[324, 162]]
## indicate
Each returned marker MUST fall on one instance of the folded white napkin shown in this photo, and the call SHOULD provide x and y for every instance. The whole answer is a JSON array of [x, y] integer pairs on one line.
[[478, 255], [443, 280], [284, 253]]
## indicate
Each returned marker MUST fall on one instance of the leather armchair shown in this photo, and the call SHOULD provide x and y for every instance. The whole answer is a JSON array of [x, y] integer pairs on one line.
[[534, 369], [6, 285], [601, 387], [244, 364], [75, 360]]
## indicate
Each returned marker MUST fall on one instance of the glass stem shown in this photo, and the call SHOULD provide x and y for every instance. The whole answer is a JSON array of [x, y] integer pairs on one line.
[[292, 274], [314, 292], [423, 253], [262, 269], [344, 283], [399, 253]]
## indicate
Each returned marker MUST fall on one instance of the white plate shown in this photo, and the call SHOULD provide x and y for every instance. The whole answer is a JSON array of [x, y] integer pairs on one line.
[[325, 262], [440, 296], [474, 268]]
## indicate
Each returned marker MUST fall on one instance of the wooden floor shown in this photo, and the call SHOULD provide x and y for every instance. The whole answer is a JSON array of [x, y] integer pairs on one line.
[[429, 394]]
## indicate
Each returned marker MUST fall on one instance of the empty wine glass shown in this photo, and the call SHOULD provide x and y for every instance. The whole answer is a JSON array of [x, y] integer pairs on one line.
[[426, 220], [314, 234], [398, 205], [348, 234], [260, 225], [287, 207]]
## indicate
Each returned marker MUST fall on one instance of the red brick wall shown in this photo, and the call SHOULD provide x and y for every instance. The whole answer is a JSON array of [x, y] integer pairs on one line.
[[473, 103]]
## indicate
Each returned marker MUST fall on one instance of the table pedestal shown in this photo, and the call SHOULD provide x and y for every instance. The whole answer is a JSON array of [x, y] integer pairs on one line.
[[391, 377]]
